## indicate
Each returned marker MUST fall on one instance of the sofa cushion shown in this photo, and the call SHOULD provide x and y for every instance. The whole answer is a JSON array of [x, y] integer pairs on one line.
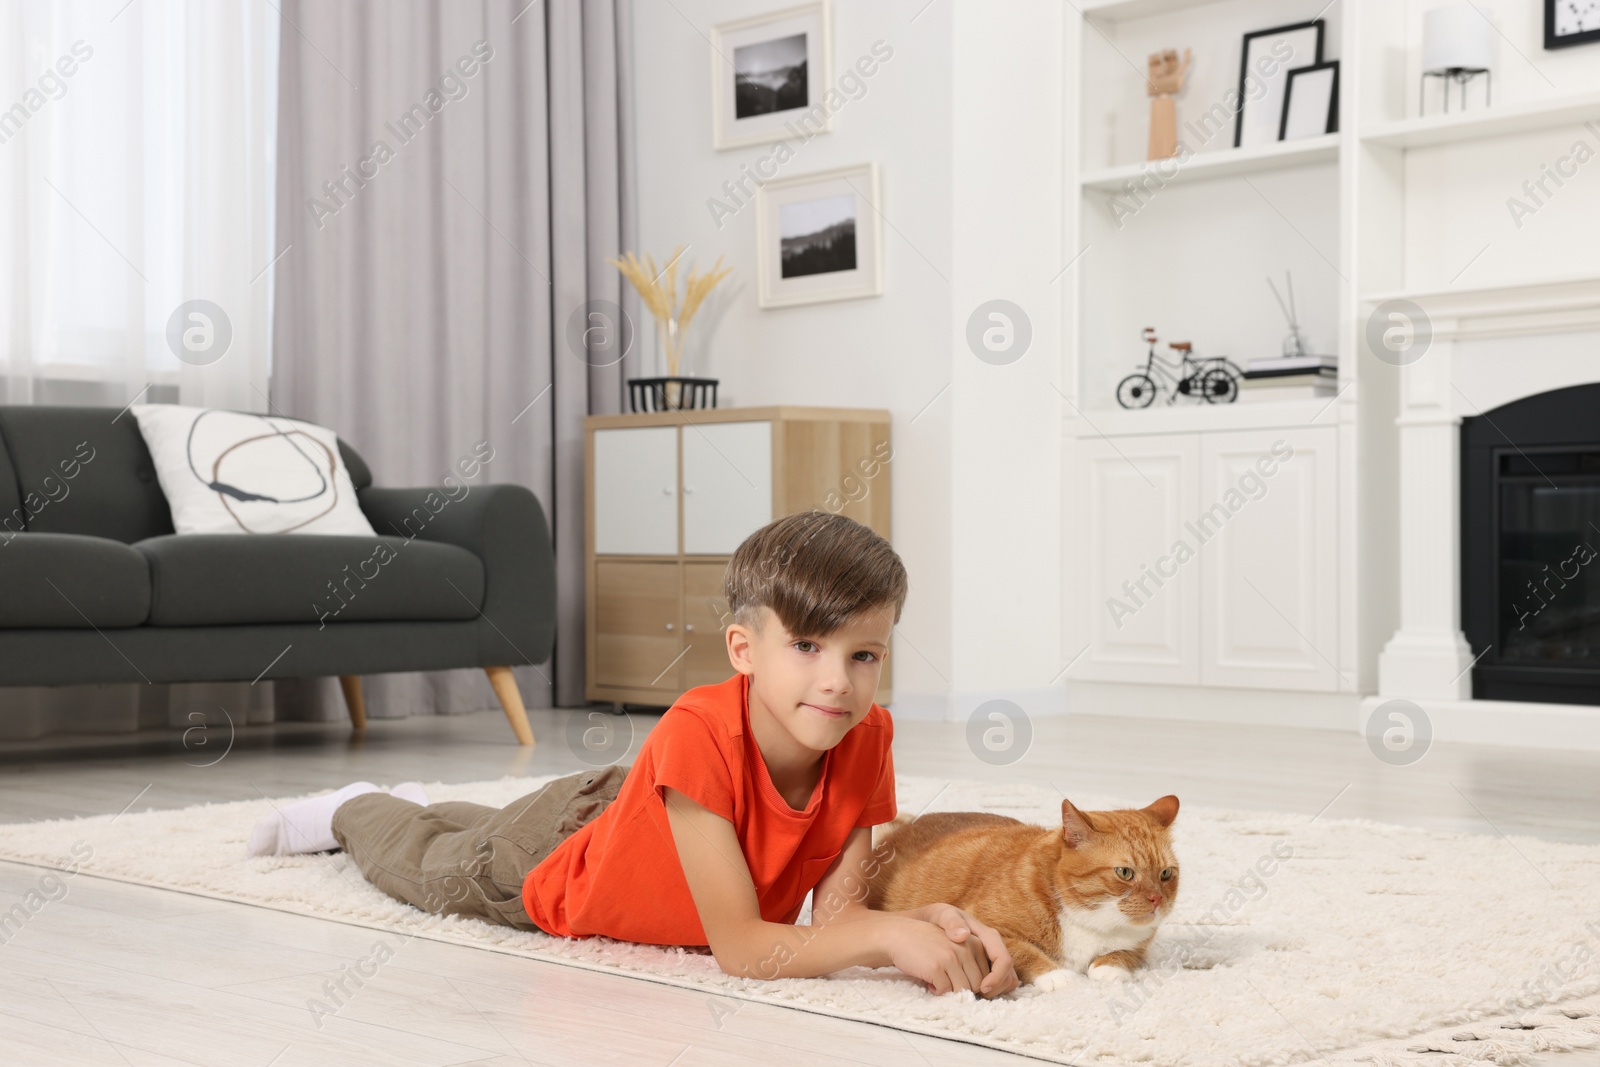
[[71, 582], [225, 579], [81, 470], [10, 495]]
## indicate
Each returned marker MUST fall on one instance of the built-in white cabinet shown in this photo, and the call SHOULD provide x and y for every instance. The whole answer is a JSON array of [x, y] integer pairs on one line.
[[1269, 574], [1138, 492], [1211, 558]]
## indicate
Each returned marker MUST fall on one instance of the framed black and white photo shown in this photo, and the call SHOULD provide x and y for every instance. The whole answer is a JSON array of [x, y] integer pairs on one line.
[[819, 237], [768, 76], [1570, 22], [1264, 65], [1311, 102]]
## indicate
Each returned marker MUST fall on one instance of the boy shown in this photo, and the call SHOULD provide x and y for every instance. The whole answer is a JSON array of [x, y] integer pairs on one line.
[[745, 797]]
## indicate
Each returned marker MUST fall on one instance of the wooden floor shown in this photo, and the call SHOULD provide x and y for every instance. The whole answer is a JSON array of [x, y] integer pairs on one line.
[[115, 974]]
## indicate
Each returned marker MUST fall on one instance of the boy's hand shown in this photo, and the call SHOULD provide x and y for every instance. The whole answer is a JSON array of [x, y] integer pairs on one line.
[[989, 948], [925, 952]]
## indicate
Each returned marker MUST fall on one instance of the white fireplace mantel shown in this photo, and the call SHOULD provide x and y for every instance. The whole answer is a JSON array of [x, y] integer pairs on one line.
[[1560, 305], [1481, 355]]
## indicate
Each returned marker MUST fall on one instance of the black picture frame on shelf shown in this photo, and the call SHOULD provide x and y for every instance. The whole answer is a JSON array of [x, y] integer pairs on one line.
[[1564, 40], [1305, 112], [1264, 76]]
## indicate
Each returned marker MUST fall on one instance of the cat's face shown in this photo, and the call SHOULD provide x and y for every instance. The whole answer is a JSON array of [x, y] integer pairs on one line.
[[1120, 861]]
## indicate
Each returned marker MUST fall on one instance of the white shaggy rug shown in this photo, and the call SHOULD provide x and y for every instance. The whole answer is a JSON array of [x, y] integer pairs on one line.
[[1293, 940]]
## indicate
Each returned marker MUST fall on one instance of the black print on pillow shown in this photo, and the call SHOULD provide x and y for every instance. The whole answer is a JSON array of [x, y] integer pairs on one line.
[[277, 467]]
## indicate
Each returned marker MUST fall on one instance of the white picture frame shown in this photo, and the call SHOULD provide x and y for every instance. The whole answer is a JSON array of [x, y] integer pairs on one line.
[[805, 216], [754, 65]]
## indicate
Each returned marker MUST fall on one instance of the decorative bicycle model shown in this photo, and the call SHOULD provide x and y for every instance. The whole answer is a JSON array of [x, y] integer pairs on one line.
[[1214, 380]]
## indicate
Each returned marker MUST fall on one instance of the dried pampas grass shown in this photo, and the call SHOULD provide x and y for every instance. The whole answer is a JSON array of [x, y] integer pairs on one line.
[[658, 288]]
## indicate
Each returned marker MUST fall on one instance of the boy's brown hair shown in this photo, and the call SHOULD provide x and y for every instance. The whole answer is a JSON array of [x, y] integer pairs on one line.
[[815, 571]]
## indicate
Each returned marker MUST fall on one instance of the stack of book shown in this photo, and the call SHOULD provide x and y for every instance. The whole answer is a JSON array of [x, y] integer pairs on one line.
[[1290, 378]]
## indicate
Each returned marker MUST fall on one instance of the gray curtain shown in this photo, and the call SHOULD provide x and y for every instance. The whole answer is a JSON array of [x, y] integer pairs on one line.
[[451, 178]]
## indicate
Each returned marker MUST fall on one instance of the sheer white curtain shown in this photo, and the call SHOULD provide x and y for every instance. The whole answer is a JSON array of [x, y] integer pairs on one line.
[[137, 145], [137, 158]]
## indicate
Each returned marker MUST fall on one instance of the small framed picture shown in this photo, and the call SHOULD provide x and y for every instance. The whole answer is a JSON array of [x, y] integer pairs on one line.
[[768, 75], [819, 237], [1311, 102], [1264, 65], [1570, 22]]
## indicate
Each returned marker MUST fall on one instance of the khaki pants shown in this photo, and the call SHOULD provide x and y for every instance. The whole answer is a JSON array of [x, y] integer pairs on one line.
[[458, 858]]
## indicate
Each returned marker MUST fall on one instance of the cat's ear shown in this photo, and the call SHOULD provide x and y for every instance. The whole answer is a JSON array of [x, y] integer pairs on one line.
[[1164, 810], [1076, 829]]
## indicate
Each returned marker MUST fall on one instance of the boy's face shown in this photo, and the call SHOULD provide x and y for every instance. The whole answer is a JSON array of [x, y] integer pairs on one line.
[[816, 687]]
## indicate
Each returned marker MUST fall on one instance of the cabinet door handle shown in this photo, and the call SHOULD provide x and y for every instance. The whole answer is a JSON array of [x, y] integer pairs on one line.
[[666, 490], [688, 627], [688, 489], [669, 626]]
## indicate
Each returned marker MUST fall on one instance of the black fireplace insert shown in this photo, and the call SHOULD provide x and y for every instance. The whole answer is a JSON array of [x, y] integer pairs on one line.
[[1530, 538]]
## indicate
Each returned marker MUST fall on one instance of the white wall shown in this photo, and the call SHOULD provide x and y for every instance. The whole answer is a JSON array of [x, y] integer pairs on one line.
[[1009, 195], [971, 195]]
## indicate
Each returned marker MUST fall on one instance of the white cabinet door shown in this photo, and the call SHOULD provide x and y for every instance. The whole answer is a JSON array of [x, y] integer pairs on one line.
[[1138, 492], [727, 484], [636, 491], [1270, 568]]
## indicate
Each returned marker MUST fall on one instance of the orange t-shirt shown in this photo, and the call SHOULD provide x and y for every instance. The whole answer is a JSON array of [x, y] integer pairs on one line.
[[620, 875]]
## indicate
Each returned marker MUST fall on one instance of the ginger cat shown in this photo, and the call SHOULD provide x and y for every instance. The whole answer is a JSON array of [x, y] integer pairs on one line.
[[1082, 898]]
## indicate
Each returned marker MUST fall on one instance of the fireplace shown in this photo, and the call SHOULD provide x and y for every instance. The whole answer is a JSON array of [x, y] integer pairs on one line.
[[1530, 538]]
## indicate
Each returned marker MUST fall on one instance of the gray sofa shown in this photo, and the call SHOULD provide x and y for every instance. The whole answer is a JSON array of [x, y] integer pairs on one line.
[[96, 587]]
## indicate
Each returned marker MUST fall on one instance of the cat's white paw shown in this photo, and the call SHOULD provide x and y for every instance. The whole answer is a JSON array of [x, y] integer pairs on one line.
[[1051, 981], [1109, 972]]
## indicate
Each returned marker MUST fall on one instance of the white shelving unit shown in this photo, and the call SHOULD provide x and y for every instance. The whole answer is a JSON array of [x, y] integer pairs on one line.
[[1222, 164], [1395, 205], [1528, 117]]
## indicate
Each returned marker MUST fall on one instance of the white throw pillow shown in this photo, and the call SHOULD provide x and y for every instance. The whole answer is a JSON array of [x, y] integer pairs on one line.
[[235, 472]]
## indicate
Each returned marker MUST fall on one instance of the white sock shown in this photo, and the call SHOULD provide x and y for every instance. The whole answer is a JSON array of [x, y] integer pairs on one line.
[[304, 826], [411, 791]]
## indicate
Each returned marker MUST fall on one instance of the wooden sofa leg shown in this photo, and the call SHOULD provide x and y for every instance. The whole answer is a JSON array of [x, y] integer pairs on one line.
[[354, 702], [505, 687]]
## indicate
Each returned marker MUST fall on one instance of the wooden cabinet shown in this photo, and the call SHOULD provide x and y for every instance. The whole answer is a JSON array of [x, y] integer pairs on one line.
[[637, 615], [1211, 559], [705, 614], [727, 485], [635, 498], [670, 497]]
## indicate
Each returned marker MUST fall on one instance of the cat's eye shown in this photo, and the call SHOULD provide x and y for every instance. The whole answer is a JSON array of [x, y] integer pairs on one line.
[[1125, 873], [1167, 874]]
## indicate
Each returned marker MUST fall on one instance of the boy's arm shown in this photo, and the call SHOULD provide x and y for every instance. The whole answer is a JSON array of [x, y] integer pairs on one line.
[[841, 897], [747, 946]]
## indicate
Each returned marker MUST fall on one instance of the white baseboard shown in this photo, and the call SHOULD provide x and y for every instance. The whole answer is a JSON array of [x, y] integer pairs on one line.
[[1483, 722], [1517, 724], [1191, 703], [947, 706]]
